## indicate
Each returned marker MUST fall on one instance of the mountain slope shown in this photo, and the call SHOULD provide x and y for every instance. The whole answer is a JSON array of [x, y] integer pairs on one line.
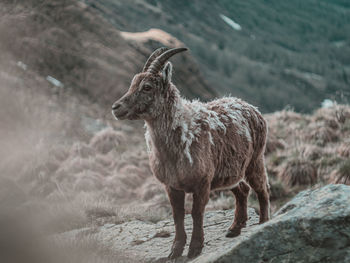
[[293, 53], [72, 43]]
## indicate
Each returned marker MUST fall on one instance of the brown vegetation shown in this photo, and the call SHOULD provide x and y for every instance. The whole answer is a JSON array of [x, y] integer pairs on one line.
[[298, 172], [344, 149], [273, 144], [342, 174], [316, 147]]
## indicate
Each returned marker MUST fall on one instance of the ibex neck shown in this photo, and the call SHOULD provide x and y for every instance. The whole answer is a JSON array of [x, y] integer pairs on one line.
[[168, 114], [162, 131]]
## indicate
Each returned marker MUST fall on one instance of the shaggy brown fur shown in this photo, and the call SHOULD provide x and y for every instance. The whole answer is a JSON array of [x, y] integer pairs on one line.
[[196, 147]]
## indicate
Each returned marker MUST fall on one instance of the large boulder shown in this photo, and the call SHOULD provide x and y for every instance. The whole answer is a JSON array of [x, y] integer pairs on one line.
[[313, 227]]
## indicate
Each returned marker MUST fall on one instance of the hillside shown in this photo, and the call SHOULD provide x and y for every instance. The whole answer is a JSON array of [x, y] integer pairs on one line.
[[72, 43], [286, 52]]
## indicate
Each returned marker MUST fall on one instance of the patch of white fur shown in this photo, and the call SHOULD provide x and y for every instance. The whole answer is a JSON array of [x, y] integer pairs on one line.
[[234, 109], [189, 115], [148, 139], [210, 138]]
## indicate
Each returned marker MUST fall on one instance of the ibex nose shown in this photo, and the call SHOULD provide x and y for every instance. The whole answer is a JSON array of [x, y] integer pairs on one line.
[[115, 106]]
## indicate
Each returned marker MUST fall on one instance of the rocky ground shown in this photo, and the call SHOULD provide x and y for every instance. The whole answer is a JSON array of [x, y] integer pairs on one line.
[[313, 227], [151, 242]]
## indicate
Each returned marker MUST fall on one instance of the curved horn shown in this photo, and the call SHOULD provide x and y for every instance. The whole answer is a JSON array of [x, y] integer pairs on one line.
[[153, 56], [159, 62]]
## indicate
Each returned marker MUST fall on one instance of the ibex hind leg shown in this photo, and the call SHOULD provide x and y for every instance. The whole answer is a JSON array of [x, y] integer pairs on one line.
[[241, 193], [256, 177]]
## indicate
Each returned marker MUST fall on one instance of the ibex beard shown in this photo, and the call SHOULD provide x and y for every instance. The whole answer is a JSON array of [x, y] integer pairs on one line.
[[197, 147]]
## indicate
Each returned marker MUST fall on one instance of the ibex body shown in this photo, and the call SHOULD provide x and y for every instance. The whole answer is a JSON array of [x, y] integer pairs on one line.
[[197, 147]]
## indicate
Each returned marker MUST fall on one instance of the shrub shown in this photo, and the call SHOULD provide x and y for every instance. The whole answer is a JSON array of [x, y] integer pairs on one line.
[[311, 152], [82, 150], [107, 140], [322, 135], [273, 144], [342, 174], [298, 172], [344, 149], [277, 190], [327, 161]]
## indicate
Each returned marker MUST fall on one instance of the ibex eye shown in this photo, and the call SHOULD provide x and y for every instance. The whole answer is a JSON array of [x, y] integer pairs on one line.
[[146, 87]]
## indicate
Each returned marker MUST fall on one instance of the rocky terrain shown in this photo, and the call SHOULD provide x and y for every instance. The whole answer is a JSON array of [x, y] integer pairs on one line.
[[313, 227]]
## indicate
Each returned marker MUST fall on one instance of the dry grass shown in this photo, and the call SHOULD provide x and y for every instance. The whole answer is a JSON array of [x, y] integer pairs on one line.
[[342, 174], [273, 143], [316, 147], [278, 190], [311, 152], [344, 149], [298, 173], [108, 140], [321, 135]]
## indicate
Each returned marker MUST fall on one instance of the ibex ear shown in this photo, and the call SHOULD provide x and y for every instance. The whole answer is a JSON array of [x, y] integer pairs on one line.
[[167, 72]]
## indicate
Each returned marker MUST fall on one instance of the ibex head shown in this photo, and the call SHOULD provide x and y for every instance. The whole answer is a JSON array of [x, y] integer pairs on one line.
[[148, 89]]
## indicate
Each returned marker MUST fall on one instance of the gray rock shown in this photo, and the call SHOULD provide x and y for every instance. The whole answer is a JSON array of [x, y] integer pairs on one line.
[[313, 227]]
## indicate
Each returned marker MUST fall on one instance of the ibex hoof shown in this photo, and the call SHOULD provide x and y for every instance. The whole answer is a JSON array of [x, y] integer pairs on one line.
[[176, 250], [235, 232], [194, 252]]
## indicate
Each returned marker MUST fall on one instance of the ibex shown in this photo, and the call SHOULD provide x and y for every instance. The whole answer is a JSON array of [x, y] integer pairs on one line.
[[197, 147]]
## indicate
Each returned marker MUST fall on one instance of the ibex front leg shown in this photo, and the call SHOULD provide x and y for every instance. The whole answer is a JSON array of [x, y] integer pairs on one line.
[[200, 199], [177, 200]]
